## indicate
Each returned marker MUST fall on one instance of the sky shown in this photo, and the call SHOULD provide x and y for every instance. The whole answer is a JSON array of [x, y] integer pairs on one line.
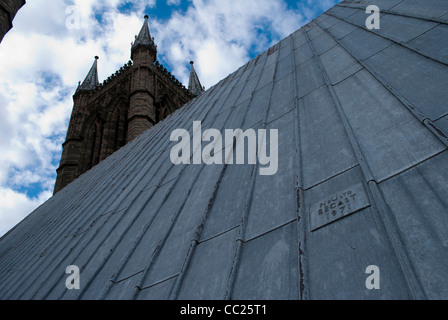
[[52, 47]]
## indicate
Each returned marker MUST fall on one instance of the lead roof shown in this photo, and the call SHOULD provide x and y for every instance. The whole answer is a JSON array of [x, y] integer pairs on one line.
[[356, 109]]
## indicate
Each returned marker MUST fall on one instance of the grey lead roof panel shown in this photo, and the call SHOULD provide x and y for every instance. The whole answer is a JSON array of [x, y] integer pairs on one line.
[[362, 180]]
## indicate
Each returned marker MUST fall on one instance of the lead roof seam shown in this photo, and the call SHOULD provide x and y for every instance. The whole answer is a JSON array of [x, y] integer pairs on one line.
[[410, 198], [90, 256], [396, 41], [252, 126], [443, 201], [442, 116], [163, 149], [4, 252], [290, 221], [349, 131], [348, 76], [231, 278], [284, 113], [124, 260], [179, 280], [302, 261], [331, 177], [159, 282], [128, 277], [155, 254], [305, 61], [439, 133], [223, 148], [301, 227], [391, 226], [413, 110], [149, 223], [218, 234], [98, 170], [163, 132], [167, 234], [140, 236], [372, 54], [398, 3], [398, 173], [388, 11], [330, 10], [392, 230], [411, 47]]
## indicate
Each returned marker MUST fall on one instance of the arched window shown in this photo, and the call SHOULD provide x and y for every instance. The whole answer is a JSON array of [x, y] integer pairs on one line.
[[92, 143]]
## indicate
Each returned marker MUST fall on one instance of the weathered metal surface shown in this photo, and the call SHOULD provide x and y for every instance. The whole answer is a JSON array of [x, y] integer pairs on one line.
[[357, 110]]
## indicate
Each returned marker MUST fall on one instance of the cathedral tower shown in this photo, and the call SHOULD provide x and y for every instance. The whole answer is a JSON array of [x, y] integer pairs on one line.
[[8, 10], [142, 112], [108, 115]]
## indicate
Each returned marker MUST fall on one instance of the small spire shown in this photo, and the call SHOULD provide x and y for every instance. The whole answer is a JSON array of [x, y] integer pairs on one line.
[[91, 80], [194, 85], [144, 37]]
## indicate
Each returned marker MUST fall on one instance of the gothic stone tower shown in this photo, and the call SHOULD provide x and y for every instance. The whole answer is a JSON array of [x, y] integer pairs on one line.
[[107, 116], [8, 9]]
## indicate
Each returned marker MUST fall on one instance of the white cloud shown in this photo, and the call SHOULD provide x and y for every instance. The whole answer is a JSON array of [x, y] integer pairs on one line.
[[41, 62], [16, 206], [219, 35]]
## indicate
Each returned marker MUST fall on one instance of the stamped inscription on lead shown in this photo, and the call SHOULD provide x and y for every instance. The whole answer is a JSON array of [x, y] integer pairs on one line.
[[338, 205]]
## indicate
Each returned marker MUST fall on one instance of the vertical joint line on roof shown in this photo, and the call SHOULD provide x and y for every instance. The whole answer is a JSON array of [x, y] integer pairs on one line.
[[302, 262], [249, 196], [436, 131], [97, 172], [179, 280], [391, 226], [414, 111], [387, 218], [146, 227], [357, 149], [196, 237], [232, 273]]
